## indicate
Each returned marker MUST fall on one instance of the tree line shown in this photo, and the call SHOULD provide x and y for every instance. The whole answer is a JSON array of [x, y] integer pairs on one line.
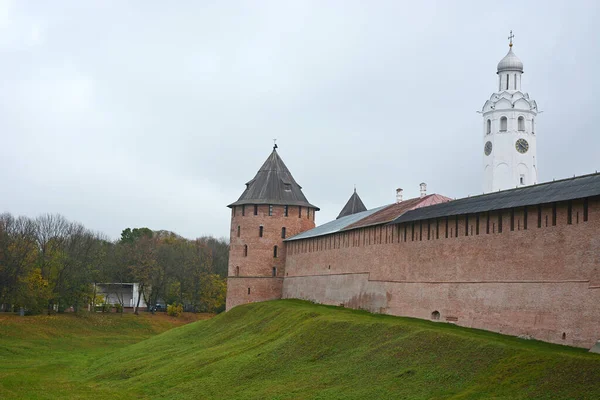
[[51, 264]]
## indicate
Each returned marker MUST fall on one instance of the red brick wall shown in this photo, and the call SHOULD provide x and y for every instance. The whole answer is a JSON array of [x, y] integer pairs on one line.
[[261, 289], [260, 260], [541, 282]]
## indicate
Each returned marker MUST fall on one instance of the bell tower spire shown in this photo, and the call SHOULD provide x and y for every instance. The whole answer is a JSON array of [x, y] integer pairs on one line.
[[509, 131]]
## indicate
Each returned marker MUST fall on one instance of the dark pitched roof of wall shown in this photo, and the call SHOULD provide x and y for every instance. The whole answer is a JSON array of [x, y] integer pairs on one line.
[[334, 226], [375, 216], [393, 211], [353, 206], [549, 192], [273, 184]]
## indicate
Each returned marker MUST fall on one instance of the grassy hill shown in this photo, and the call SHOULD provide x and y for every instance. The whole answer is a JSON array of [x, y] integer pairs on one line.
[[46, 357], [296, 350]]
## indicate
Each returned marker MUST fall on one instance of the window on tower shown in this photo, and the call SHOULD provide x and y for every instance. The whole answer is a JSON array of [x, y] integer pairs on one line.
[[521, 123], [489, 127], [507, 80], [503, 124], [532, 125]]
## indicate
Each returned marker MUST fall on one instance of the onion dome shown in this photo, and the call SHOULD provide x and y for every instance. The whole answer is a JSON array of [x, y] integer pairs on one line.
[[510, 62]]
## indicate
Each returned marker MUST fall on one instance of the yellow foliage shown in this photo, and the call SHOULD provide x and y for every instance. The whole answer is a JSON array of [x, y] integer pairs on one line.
[[214, 290], [174, 310]]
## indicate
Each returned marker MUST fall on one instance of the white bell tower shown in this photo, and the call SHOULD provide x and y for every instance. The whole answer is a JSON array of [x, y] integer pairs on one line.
[[509, 131]]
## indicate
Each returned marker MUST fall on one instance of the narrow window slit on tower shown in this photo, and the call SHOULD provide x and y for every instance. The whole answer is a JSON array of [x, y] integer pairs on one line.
[[512, 219], [553, 214], [285, 211], [283, 233], [499, 222], [525, 215], [255, 209], [238, 231], [539, 210], [569, 212], [446, 227], [487, 225], [260, 231], [437, 228], [456, 225], [467, 225], [477, 224], [270, 210], [299, 211], [274, 251], [245, 250], [585, 210]]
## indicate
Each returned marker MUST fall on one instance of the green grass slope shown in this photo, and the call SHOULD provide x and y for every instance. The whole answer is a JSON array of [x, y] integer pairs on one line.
[[46, 357], [296, 350]]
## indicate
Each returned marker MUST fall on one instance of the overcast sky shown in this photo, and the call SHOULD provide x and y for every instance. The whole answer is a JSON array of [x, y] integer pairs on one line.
[[152, 113]]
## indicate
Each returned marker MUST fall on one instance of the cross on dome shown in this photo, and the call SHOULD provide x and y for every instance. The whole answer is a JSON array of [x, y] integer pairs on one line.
[[510, 38]]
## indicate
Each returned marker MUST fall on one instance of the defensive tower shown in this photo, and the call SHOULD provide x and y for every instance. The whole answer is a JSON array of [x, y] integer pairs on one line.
[[271, 208], [509, 135]]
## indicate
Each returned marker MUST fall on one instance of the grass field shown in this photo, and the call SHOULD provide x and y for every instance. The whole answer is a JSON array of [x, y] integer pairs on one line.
[[46, 357], [285, 350]]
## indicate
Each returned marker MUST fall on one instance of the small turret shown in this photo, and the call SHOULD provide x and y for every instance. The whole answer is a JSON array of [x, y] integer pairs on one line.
[[353, 206]]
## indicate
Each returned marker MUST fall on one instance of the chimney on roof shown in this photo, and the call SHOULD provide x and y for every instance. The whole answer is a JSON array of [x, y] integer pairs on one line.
[[399, 195], [423, 187]]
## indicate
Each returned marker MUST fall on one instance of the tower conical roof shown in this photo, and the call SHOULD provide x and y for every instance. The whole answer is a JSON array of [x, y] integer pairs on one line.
[[353, 206], [273, 184]]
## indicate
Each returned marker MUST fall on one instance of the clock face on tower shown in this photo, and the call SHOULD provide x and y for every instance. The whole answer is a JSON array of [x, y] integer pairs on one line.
[[522, 146], [487, 148]]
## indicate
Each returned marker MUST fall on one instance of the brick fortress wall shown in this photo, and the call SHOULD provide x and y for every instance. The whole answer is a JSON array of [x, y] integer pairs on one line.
[[518, 272], [251, 276]]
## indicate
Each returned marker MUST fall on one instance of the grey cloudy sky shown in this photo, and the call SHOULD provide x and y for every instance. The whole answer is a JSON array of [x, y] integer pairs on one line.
[[151, 113]]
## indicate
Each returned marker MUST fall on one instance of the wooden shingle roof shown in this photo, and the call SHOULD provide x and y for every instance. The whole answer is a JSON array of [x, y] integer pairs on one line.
[[273, 184], [353, 206]]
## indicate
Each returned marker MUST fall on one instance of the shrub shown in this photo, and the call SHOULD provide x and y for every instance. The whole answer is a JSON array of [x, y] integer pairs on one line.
[[118, 307], [174, 310]]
